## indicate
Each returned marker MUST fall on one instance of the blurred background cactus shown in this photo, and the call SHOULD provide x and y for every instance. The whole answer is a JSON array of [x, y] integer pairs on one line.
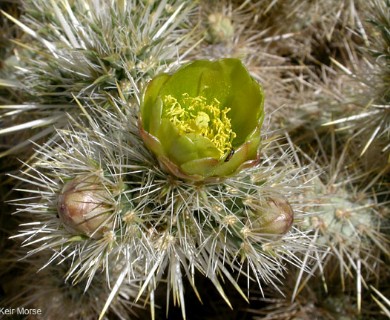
[[107, 214]]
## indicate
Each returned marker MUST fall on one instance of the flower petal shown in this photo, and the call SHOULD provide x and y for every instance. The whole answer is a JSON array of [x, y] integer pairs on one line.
[[185, 81], [206, 149], [246, 103], [149, 100], [200, 167]]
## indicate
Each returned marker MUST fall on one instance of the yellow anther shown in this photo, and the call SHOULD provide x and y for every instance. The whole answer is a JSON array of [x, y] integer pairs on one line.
[[199, 116]]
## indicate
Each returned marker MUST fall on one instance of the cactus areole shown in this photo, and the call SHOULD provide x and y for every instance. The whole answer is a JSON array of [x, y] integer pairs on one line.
[[203, 122]]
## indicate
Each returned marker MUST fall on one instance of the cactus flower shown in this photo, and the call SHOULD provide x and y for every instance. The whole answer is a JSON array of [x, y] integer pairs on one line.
[[203, 121], [83, 207]]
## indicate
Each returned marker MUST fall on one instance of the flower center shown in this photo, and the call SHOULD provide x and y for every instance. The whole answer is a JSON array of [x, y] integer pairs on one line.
[[199, 117]]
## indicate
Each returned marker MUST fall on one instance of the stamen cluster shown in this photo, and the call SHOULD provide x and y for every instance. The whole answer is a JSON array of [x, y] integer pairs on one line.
[[197, 115]]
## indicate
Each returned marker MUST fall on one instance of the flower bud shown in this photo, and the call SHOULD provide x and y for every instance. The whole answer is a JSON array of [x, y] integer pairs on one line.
[[220, 28], [83, 206], [275, 216]]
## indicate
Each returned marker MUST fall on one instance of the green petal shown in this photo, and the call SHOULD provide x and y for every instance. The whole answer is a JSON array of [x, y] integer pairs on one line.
[[253, 142], [155, 116], [227, 168], [168, 135], [200, 167], [205, 148], [246, 101], [182, 150], [185, 80], [215, 83], [152, 143], [149, 99], [190, 147]]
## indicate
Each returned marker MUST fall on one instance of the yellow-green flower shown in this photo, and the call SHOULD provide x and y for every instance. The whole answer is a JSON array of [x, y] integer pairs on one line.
[[203, 121]]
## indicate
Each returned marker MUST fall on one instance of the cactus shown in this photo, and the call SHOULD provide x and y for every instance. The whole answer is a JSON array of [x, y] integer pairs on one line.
[[87, 49], [106, 200], [168, 145]]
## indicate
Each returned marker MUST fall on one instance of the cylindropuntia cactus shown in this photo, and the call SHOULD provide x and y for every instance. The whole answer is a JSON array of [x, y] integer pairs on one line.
[[349, 223], [164, 226], [168, 227], [204, 120]]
